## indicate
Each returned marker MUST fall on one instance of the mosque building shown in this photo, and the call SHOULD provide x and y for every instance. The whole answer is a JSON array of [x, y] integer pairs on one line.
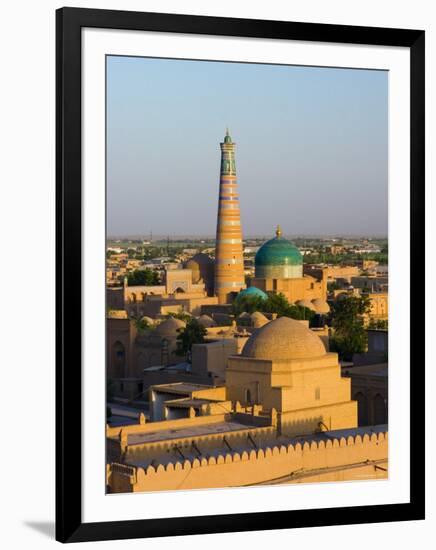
[[279, 269]]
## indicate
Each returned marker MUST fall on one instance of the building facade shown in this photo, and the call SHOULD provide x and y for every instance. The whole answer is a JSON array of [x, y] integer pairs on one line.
[[279, 270]]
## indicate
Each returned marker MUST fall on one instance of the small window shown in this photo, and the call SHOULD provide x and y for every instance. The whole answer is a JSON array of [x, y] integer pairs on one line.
[[317, 394]]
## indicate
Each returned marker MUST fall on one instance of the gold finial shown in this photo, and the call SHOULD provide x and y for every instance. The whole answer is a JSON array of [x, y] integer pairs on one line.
[[278, 232]]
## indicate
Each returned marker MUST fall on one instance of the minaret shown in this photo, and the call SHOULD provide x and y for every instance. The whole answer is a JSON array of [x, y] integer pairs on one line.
[[229, 261]]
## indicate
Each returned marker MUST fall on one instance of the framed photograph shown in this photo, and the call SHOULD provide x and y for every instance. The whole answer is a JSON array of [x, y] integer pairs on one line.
[[240, 235]]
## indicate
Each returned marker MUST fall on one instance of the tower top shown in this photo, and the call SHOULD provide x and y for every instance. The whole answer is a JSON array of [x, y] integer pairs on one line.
[[227, 138], [278, 232]]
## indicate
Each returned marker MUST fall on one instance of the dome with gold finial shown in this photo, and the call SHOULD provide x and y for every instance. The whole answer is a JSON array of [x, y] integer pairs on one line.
[[278, 258]]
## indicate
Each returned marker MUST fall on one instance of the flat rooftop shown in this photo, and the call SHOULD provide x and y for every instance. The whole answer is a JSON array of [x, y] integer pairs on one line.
[[181, 387], [376, 369], [186, 403], [193, 431]]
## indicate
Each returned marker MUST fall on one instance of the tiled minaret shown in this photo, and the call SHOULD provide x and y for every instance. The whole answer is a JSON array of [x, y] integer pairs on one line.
[[229, 262]]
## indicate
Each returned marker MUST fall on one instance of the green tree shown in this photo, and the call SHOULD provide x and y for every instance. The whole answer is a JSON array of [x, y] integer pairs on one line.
[[348, 323], [143, 277], [141, 324], [300, 313], [274, 303], [378, 324], [333, 285], [277, 303], [193, 333], [250, 304]]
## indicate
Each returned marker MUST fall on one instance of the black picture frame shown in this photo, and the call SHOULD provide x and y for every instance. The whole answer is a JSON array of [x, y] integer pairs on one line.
[[69, 23]]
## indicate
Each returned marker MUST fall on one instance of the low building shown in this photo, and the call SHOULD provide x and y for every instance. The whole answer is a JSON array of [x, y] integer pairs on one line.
[[182, 290], [370, 282], [378, 349], [369, 387], [379, 306]]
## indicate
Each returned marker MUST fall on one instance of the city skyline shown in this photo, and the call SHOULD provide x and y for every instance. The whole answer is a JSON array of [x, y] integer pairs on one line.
[[319, 143]]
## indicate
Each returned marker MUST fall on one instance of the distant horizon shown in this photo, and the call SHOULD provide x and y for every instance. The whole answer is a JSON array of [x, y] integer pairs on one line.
[[311, 147], [247, 237]]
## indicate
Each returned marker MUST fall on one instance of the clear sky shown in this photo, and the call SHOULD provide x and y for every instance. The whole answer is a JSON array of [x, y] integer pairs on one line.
[[311, 153]]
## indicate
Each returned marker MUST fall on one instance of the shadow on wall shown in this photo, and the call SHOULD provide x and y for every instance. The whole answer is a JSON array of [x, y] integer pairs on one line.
[[303, 427]]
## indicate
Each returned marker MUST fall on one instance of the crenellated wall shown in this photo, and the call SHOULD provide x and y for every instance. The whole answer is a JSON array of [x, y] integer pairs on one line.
[[324, 458]]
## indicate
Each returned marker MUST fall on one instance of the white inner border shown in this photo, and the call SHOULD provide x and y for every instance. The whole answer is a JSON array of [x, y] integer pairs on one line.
[[97, 506]]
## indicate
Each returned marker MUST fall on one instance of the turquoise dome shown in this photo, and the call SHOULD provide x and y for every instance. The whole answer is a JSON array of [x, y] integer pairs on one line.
[[253, 291], [278, 258]]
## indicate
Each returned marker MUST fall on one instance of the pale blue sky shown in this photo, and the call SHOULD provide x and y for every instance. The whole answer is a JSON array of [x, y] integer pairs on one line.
[[311, 154]]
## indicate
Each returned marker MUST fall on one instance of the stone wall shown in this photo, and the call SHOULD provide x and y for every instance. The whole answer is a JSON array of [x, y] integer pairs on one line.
[[339, 458]]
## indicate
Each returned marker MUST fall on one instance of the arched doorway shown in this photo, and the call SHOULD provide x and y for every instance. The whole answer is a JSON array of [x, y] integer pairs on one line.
[[362, 409], [118, 359], [248, 397], [380, 410]]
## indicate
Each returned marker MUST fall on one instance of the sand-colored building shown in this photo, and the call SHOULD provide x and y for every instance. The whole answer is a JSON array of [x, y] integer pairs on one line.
[[284, 415], [139, 358], [372, 283], [379, 305], [369, 386], [342, 273], [284, 366], [369, 379], [182, 290], [130, 351]]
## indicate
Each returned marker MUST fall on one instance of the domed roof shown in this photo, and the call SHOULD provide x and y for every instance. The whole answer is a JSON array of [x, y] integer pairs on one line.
[[278, 251], [206, 321], [321, 306], [284, 339], [147, 320], [253, 291], [258, 319], [244, 315], [170, 327], [306, 303]]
